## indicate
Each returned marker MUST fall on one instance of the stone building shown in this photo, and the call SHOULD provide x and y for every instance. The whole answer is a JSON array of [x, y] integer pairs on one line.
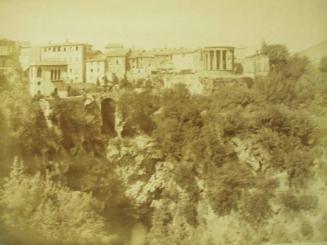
[[96, 69], [46, 77], [141, 62], [163, 60], [9, 53], [73, 54], [218, 59], [117, 62], [256, 65], [28, 55], [186, 60]]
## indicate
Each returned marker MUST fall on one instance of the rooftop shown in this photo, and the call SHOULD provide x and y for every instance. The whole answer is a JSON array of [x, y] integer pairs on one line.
[[7, 42], [141, 54], [217, 47], [96, 55], [66, 44], [184, 51]]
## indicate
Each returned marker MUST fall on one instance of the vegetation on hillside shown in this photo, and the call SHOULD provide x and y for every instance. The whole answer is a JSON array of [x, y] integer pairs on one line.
[[245, 164]]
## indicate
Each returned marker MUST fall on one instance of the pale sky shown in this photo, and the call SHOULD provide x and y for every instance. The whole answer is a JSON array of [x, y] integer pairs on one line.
[[166, 23]]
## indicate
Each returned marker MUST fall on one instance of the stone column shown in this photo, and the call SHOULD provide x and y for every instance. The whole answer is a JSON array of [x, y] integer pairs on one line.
[[218, 59], [214, 60], [221, 60], [205, 58]]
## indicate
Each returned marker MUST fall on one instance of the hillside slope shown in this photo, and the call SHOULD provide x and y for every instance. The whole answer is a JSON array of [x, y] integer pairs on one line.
[[315, 52]]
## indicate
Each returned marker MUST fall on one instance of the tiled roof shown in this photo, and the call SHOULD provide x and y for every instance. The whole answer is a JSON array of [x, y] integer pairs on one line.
[[141, 54], [184, 51], [97, 55], [7, 42]]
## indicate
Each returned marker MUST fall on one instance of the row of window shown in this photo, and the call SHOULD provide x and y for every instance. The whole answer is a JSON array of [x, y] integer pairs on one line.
[[59, 48]]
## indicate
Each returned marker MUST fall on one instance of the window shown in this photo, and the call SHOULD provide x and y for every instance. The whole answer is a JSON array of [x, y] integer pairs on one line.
[[76, 48], [65, 49], [91, 70], [39, 72], [39, 83], [117, 61]]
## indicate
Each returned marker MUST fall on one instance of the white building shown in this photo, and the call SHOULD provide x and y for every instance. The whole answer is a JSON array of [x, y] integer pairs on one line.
[[45, 78], [96, 69], [218, 59], [256, 65], [141, 62], [29, 55], [117, 62], [186, 60], [73, 54]]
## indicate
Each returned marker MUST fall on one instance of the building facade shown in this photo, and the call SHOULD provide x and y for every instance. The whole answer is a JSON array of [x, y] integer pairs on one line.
[[141, 62], [96, 69], [29, 55], [217, 58], [9, 54], [117, 63], [46, 77], [73, 54], [163, 60], [256, 65], [186, 60]]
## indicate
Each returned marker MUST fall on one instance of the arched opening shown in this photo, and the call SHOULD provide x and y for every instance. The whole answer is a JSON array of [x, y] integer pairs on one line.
[[108, 109]]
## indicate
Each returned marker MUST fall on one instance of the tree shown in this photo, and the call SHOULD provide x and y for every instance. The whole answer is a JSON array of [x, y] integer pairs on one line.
[[37, 210], [137, 109], [323, 64], [277, 53]]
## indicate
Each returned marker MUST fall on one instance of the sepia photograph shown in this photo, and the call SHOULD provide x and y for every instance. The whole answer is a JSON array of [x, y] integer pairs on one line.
[[163, 122]]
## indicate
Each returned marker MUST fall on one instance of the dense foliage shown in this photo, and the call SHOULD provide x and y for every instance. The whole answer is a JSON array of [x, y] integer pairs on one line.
[[245, 164]]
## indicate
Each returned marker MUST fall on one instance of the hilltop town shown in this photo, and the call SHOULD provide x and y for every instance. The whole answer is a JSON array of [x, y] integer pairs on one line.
[[58, 67]]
